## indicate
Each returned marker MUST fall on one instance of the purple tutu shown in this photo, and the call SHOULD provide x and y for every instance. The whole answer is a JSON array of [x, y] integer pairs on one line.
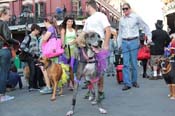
[[62, 59], [101, 58]]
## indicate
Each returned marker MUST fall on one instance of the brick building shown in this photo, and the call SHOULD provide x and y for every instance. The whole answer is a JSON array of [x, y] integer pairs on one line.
[[38, 9], [43, 7]]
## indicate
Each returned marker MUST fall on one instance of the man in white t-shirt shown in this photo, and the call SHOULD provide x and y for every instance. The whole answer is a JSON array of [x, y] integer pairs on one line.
[[98, 22]]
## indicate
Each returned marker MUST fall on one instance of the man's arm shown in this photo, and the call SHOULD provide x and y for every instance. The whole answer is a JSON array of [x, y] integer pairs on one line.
[[23, 45], [146, 29], [119, 38], [62, 36], [107, 37]]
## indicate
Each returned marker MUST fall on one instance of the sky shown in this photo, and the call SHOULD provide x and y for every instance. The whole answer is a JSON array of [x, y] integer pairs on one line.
[[149, 10]]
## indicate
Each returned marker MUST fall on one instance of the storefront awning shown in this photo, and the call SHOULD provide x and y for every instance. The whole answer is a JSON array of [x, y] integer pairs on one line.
[[4, 4], [3, 1]]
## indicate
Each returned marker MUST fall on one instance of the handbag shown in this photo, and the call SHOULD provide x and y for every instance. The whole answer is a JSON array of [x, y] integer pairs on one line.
[[52, 47], [143, 53]]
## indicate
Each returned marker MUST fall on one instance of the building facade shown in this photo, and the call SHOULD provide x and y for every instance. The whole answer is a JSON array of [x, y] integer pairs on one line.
[[38, 9], [169, 14], [34, 11]]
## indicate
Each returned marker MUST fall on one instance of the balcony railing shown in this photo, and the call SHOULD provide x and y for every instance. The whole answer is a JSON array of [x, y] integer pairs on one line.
[[21, 20], [114, 18], [109, 8]]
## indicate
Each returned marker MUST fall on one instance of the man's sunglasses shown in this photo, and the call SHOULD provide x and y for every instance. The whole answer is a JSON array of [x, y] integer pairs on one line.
[[125, 9]]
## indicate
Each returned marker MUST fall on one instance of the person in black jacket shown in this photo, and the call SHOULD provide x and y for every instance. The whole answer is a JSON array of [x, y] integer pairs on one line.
[[161, 40], [5, 53]]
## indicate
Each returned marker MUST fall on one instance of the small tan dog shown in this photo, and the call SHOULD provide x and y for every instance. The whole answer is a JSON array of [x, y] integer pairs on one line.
[[168, 70], [54, 72]]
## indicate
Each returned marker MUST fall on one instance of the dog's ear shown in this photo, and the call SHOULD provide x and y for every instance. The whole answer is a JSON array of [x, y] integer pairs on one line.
[[161, 58], [86, 35], [40, 58], [47, 59], [92, 35]]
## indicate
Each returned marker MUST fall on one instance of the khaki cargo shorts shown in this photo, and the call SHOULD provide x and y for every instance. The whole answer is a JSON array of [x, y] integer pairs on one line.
[[154, 59]]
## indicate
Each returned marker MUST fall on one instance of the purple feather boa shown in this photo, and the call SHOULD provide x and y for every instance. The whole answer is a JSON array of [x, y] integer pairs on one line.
[[101, 58]]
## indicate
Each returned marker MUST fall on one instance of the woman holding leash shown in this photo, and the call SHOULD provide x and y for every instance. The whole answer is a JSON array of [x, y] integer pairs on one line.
[[68, 36], [5, 54]]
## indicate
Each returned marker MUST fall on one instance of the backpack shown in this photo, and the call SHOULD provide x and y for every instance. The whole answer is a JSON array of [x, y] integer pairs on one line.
[[23, 56]]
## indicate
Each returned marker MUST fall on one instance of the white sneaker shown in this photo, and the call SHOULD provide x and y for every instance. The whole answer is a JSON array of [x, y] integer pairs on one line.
[[70, 113], [46, 90], [90, 98], [102, 111], [173, 98], [6, 98], [94, 102]]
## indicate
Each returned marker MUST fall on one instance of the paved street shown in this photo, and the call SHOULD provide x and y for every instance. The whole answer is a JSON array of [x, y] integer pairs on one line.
[[149, 100]]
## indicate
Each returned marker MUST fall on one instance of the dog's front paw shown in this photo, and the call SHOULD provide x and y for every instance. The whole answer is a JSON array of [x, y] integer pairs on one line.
[[70, 113], [102, 111]]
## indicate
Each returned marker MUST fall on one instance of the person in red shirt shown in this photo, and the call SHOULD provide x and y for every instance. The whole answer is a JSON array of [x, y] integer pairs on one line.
[[172, 44]]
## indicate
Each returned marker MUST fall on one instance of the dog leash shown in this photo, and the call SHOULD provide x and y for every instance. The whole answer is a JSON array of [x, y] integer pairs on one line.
[[68, 46], [69, 54], [130, 50]]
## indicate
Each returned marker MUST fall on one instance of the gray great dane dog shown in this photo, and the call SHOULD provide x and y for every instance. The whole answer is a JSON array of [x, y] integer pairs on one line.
[[88, 41]]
